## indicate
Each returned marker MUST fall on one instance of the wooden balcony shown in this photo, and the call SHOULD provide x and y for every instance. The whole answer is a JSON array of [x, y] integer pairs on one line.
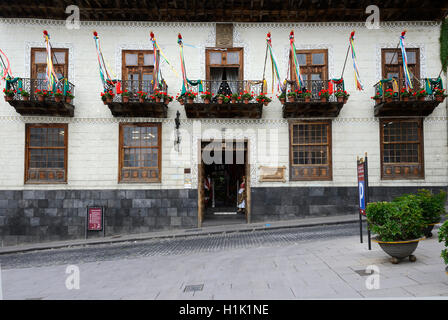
[[31, 106], [314, 108], [404, 107], [134, 107], [239, 110]]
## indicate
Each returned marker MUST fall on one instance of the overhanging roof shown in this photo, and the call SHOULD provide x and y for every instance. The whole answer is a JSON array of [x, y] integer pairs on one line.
[[228, 11]]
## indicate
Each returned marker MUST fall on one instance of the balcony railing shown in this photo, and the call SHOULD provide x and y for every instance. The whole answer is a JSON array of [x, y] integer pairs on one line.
[[398, 84], [31, 85], [315, 86], [227, 87], [132, 87]]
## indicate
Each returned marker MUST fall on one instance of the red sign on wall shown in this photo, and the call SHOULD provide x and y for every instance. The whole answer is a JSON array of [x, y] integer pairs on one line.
[[95, 219], [362, 188]]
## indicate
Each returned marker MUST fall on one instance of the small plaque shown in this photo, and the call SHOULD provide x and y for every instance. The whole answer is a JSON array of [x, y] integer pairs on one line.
[[224, 35], [274, 174]]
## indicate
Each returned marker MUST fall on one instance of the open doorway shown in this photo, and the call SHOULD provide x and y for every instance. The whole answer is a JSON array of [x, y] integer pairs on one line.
[[223, 192]]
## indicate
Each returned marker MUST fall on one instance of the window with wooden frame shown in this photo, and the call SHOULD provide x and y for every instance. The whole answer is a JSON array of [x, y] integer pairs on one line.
[[313, 65], [46, 153], [224, 64], [137, 70], [310, 150], [39, 66], [392, 64], [140, 152], [401, 149]]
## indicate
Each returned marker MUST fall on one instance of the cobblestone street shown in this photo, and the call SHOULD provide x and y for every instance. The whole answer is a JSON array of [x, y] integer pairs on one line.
[[296, 263]]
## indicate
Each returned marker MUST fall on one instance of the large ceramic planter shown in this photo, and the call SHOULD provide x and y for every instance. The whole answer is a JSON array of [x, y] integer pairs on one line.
[[399, 250]]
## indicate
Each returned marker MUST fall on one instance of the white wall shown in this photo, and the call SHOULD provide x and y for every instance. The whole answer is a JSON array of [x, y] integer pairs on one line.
[[93, 132]]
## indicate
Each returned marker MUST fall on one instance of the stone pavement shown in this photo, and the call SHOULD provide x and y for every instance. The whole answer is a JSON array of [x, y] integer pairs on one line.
[[324, 269], [183, 233]]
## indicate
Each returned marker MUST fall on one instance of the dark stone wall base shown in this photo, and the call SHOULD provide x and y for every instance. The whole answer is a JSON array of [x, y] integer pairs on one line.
[[54, 215], [282, 203]]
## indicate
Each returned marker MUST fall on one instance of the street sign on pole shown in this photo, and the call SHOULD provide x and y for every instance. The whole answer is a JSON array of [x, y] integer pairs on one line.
[[363, 193]]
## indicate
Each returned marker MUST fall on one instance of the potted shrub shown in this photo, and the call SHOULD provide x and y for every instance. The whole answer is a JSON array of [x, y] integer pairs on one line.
[[108, 96], [439, 94], [42, 94], [234, 97], [125, 96], [324, 95], [421, 95], [246, 97], [433, 206], [443, 237], [261, 98], [158, 95], [220, 98], [292, 96], [9, 94], [388, 95], [141, 96], [377, 98], [58, 95], [69, 97], [398, 226], [306, 95], [190, 96], [282, 97], [405, 94]]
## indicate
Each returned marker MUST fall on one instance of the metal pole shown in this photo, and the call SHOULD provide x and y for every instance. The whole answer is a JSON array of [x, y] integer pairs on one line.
[[366, 178], [359, 213], [345, 62]]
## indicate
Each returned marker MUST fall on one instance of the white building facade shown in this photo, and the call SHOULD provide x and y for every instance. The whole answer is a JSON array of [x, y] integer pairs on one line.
[[56, 210]]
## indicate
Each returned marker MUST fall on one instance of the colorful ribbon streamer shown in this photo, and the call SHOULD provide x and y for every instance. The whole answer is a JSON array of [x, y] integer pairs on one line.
[[104, 73], [5, 71], [50, 73], [274, 66], [182, 63], [359, 85], [158, 51], [299, 80], [433, 83], [407, 75]]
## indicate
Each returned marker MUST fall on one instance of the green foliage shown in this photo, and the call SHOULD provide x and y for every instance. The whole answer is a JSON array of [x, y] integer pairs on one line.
[[444, 45], [443, 237], [432, 205], [396, 221]]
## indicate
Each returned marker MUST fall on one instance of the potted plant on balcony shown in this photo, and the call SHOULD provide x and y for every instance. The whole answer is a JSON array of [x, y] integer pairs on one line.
[[443, 237], [58, 95], [159, 95], [261, 98], [141, 96], [306, 95], [42, 94], [220, 98], [190, 96], [69, 97], [9, 94], [342, 96], [439, 94], [181, 98], [207, 96], [398, 226], [377, 98], [25, 95], [282, 97], [125, 96], [421, 95], [324, 95], [388, 95], [235, 97], [405, 94], [168, 99], [108, 96], [291, 96], [246, 97]]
